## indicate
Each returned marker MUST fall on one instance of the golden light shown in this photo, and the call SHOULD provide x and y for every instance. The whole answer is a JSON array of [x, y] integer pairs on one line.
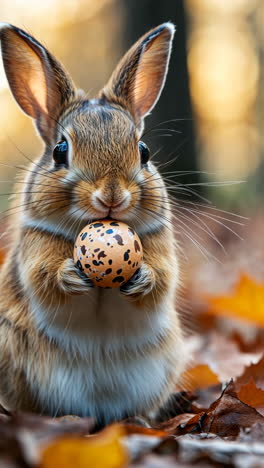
[[223, 72], [203, 7], [229, 151], [224, 69]]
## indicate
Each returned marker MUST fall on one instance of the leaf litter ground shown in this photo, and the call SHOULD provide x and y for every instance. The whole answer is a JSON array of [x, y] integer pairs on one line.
[[216, 415]]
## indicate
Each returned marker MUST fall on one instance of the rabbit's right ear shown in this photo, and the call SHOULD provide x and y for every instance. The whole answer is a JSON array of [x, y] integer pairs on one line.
[[37, 80]]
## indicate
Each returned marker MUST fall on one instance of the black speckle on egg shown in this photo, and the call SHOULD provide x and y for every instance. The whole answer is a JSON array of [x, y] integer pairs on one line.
[[129, 262], [108, 271], [119, 239], [97, 225], [97, 250], [84, 235], [118, 279], [119, 271], [126, 255], [79, 265], [109, 231], [110, 261], [87, 265], [83, 249], [131, 232], [114, 223], [101, 254], [137, 246]]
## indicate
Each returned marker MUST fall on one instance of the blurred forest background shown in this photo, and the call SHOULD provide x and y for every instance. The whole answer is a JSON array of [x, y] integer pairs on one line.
[[209, 120], [212, 105]]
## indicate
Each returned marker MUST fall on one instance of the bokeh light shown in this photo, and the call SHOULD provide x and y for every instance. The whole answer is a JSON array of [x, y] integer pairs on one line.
[[225, 75]]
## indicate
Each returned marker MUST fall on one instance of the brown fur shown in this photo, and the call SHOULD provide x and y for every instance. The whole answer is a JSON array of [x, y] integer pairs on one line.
[[104, 159]]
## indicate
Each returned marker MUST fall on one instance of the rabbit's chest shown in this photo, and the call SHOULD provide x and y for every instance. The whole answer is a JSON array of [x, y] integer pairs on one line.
[[105, 388], [104, 317], [109, 360]]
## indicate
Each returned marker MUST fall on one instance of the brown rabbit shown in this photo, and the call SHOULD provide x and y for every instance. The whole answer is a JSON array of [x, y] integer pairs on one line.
[[65, 346]]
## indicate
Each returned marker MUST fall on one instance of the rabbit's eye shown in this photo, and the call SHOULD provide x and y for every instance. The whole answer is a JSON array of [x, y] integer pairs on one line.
[[60, 153], [144, 152]]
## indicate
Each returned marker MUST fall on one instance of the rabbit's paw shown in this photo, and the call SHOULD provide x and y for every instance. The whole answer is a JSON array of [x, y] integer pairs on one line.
[[71, 280], [141, 283]]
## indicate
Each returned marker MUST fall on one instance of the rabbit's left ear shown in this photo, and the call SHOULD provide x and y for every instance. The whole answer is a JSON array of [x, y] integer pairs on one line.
[[138, 80], [37, 80]]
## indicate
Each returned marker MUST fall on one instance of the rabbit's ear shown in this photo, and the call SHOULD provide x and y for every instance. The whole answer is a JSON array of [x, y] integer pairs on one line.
[[139, 77], [37, 80]]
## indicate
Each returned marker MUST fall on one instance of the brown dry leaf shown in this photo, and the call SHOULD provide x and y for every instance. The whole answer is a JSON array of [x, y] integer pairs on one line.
[[252, 396], [100, 451], [200, 376], [225, 417], [222, 355], [255, 434], [173, 423], [134, 429], [2, 256], [255, 372], [246, 302]]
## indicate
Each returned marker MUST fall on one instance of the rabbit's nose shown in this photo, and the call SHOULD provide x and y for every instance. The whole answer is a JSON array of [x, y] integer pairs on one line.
[[119, 204]]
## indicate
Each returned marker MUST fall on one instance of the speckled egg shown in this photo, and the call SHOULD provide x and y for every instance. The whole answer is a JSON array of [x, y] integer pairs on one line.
[[108, 252]]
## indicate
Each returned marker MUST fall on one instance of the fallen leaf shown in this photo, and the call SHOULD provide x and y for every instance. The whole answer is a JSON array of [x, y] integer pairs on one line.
[[255, 372], [225, 417], [104, 450], [221, 354], [200, 376], [246, 302], [173, 423], [252, 396], [2, 256], [255, 433], [133, 429]]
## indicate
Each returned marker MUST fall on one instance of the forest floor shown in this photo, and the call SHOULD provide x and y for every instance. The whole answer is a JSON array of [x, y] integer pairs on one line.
[[216, 417]]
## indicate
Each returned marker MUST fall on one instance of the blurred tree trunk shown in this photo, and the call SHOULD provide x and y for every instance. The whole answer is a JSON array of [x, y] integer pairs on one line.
[[175, 99]]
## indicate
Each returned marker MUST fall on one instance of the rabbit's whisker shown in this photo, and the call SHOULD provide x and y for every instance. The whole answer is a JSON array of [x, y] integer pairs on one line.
[[27, 205]]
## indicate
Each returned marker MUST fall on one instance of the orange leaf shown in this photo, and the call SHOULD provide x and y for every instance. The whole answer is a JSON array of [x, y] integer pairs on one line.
[[100, 451], [255, 372], [246, 302], [200, 376], [252, 396], [2, 256]]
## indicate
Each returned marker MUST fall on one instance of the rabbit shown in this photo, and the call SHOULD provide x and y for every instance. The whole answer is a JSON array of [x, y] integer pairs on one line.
[[66, 346]]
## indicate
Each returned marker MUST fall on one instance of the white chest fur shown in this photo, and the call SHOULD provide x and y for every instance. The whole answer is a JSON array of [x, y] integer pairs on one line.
[[112, 359]]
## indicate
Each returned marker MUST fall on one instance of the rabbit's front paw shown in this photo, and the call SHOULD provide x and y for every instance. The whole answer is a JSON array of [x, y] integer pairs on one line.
[[141, 283], [71, 280]]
